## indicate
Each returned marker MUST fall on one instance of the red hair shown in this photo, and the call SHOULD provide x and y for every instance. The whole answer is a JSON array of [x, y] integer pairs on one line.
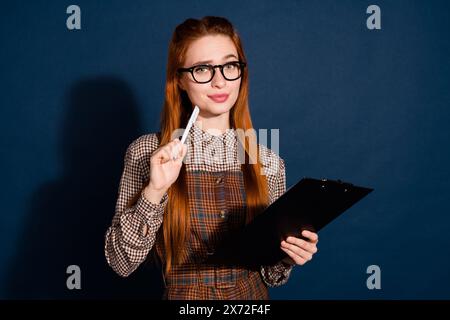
[[175, 113]]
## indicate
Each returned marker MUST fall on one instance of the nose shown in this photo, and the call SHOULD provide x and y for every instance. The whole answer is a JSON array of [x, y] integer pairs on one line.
[[218, 80]]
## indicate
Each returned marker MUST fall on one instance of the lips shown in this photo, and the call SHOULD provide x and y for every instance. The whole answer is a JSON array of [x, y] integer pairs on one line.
[[218, 97]]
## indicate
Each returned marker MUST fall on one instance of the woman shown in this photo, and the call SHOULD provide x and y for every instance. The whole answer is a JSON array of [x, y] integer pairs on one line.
[[184, 205]]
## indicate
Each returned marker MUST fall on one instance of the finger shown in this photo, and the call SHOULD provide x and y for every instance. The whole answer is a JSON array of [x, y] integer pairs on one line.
[[171, 148], [297, 250], [175, 142], [181, 154], [168, 154], [310, 247], [314, 237], [178, 148], [161, 156], [297, 259], [301, 243], [175, 152], [183, 151]]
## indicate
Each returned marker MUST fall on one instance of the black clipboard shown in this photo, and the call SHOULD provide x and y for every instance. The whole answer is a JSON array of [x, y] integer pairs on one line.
[[310, 204]]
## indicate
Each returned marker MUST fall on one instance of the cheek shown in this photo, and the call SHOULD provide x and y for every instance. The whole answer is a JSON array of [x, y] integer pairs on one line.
[[235, 88], [194, 91]]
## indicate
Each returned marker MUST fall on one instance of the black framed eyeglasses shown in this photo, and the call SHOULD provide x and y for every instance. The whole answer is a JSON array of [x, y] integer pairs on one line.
[[204, 73]]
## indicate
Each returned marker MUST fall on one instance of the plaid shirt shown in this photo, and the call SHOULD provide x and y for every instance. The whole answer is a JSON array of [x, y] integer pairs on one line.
[[216, 196]]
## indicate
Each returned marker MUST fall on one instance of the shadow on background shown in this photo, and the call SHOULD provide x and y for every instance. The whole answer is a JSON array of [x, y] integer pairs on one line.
[[67, 218]]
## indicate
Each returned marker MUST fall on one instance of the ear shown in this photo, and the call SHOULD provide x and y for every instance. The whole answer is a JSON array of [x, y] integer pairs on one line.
[[180, 84]]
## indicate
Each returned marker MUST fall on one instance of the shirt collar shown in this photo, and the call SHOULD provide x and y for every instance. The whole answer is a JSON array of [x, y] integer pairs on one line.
[[228, 138]]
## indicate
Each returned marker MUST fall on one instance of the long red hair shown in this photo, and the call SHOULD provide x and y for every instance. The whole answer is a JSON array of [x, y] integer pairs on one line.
[[175, 113]]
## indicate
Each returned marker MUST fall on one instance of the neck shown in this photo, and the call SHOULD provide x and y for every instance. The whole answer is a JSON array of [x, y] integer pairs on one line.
[[214, 125]]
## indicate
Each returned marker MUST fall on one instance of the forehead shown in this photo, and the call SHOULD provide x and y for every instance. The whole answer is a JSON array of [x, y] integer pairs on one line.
[[211, 47]]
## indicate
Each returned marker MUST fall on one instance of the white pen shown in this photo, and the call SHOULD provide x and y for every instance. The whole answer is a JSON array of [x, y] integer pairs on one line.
[[188, 127]]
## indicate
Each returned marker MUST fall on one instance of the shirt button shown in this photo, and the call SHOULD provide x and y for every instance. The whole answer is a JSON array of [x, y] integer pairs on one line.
[[218, 180], [222, 214]]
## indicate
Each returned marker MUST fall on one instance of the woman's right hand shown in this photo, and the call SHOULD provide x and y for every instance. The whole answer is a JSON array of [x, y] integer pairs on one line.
[[164, 170]]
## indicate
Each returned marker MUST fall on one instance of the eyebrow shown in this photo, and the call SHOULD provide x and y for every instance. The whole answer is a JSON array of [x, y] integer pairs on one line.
[[210, 61]]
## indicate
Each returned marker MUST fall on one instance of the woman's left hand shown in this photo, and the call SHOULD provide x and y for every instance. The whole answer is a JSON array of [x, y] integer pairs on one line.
[[298, 250]]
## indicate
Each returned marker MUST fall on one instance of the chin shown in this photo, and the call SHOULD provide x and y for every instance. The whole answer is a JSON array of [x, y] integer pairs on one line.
[[216, 109]]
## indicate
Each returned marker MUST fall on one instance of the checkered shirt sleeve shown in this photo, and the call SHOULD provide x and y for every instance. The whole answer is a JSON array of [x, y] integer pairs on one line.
[[125, 245], [277, 274]]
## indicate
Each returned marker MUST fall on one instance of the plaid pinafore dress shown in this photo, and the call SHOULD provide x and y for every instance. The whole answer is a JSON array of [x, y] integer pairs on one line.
[[217, 203]]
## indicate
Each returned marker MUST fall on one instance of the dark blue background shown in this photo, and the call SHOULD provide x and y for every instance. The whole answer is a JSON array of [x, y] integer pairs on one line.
[[369, 107]]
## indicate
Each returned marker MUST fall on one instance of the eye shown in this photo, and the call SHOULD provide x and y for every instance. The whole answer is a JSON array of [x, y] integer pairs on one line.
[[230, 66], [201, 69]]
